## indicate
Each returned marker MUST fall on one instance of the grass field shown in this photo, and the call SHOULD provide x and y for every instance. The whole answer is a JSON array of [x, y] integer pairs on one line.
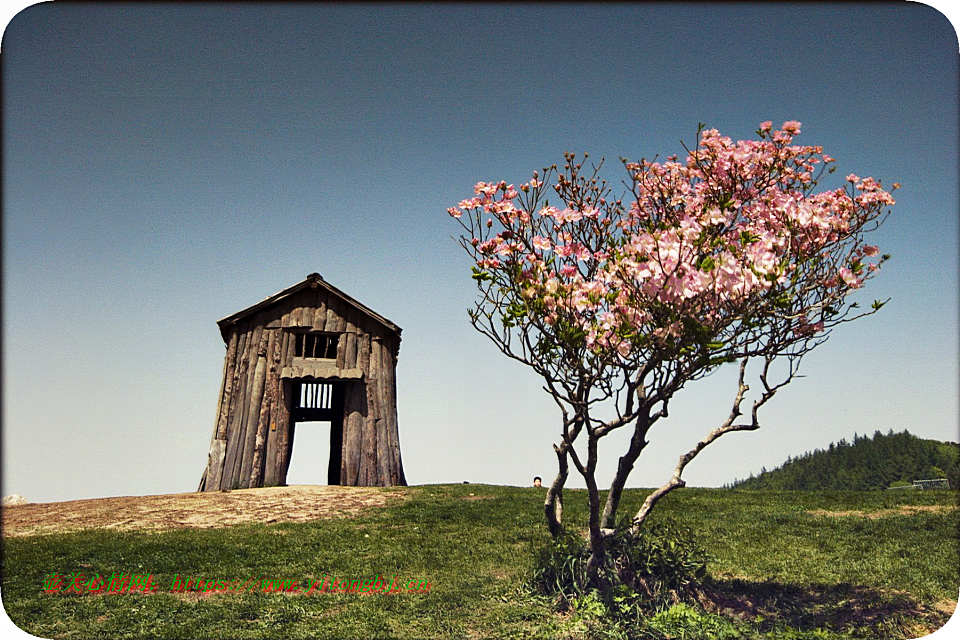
[[784, 565]]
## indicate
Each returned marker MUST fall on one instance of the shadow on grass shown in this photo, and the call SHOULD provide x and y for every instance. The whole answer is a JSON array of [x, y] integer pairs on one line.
[[836, 606]]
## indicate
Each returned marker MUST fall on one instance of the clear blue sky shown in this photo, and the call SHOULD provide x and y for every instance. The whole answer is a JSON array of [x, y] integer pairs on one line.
[[167, 165]]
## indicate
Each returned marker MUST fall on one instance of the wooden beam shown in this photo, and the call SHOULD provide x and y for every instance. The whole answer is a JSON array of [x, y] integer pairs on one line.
[[234, 442], [350, 346], [255, 478], [214, 468], [320, 311], [355, 398], [397, 477], [270, 467], [285, 431], [242, 407], [253, 408]]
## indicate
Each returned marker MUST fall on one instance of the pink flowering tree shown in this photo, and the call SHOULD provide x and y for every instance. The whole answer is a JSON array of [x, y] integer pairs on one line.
[[731, 256]]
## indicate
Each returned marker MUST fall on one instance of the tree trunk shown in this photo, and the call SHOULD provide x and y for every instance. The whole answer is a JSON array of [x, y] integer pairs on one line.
[[553, 505], [598, 549], [597, 544], [637, 444]]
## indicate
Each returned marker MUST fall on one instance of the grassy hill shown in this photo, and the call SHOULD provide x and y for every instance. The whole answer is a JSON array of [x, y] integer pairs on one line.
[[863, 465], [784, 565]]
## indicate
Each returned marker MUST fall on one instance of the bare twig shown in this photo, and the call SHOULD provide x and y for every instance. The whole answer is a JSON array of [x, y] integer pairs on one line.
[[676, 480]]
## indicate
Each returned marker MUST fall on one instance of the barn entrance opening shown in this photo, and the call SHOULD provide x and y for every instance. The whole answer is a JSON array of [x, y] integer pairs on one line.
[[317, 419]]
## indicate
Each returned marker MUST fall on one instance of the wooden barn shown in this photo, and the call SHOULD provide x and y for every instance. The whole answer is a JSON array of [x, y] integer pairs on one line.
[[308, 353]]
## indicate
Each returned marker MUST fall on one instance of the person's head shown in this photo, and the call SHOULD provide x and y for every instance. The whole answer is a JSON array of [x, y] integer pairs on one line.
[[536, 481]]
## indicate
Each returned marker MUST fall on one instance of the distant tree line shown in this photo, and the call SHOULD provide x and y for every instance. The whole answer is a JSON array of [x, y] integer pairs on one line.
[[887, 460]]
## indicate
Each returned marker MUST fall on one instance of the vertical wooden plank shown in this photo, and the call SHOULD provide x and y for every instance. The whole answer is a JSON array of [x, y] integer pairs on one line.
[[235, 413], [371, 429], [320, 311], [296, 309], [287, 358], [242, 404], [263, 419], [283, 419], [342, 351], [383, 423], [226, 388], [350, 347], [397, 477], [362, 427], [337, 443], [273, 317], [270, 467], [211, 474], [341, 329], [242, 408], [355, 415], [388, 477], [285, 431], [363, 355], [333, 313], [307, 302], [253, 407], [288, 449]]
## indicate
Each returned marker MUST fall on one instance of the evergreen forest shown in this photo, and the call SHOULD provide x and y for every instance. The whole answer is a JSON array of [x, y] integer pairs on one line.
[[884, 461]]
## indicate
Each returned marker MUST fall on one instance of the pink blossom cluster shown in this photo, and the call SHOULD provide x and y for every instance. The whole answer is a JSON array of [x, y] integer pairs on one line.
[[701, 239]]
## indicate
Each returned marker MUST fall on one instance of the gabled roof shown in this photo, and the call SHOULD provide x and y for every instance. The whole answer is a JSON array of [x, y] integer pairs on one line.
[[313, 278]]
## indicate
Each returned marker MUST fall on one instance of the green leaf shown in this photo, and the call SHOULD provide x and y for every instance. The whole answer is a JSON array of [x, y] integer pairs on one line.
[[783, 300], [480, 275]]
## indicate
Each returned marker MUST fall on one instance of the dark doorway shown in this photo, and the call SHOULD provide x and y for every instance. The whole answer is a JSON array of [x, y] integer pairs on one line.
[[322, 402]]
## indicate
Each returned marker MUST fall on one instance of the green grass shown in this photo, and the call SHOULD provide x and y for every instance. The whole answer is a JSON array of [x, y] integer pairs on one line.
[[776, 571]]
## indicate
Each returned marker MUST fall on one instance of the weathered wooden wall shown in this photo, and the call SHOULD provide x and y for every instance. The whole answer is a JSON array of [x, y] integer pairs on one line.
[[253, 433]]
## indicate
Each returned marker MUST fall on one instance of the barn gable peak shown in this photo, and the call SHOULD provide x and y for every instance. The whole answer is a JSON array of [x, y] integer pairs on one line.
[[312, 280]]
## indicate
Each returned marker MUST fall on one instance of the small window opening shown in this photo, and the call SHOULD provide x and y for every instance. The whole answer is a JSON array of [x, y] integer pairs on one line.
[[316, 345], [316, 395]]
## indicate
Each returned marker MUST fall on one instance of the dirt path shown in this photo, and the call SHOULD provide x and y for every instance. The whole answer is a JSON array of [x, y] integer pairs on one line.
[[903, 510], [297, 503]]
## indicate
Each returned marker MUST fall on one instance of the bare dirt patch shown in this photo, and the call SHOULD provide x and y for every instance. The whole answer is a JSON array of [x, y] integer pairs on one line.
[[946, 606], [903, 510], [837, 605], [297, 503]]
